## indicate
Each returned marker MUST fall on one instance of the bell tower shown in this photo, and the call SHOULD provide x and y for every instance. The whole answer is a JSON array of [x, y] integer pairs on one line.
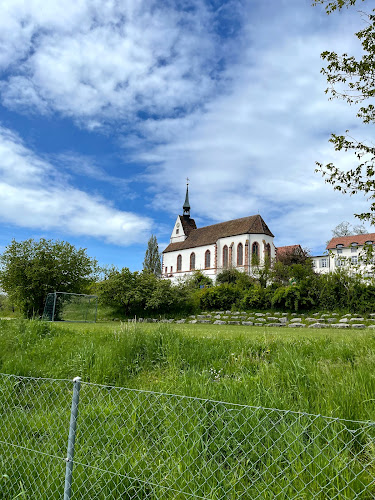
[[186, 206]]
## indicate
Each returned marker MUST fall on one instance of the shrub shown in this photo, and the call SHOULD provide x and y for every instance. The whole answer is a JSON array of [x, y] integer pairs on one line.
[[220, 296]]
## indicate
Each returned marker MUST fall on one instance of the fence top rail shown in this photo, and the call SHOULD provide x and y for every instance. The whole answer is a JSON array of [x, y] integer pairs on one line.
[[193, 398]]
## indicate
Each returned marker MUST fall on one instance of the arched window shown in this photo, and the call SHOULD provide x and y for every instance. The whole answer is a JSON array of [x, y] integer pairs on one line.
[[207, 259], [225, 256], [239, 254], [192, 261], [267, 250], [179, 262], [255, 249]]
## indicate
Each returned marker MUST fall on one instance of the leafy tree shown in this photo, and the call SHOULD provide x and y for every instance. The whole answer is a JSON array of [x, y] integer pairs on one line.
[[292, 256], [198, 280], [346, 229], [30, 269], [228, 276], [353, 80], [152, 262]]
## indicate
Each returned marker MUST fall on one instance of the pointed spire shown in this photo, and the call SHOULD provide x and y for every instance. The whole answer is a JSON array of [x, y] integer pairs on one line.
[[186, 206]]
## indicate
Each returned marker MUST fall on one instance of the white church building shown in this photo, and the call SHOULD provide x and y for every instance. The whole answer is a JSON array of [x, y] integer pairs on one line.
[[240, 244]]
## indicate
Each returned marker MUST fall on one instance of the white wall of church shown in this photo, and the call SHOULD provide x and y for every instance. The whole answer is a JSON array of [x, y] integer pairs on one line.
[[170, 262], [178, 232], [170, 258]]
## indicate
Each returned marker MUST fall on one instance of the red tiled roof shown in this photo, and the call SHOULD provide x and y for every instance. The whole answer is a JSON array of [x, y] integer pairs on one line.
[[254, 224], [346, 241], [288, 249]]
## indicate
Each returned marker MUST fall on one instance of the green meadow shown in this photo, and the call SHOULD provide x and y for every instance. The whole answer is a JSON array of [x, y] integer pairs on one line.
[[321, 372]]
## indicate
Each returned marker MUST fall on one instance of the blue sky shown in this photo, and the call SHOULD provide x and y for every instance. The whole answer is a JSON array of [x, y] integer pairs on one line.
[[107, 106]]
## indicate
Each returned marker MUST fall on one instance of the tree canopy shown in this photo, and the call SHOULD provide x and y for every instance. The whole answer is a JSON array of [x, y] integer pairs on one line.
[[353, 80], [346, 229], [152, 263], [30, 269]]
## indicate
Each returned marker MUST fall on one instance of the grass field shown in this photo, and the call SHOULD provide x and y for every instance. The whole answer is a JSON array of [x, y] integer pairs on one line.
[[328, 372]]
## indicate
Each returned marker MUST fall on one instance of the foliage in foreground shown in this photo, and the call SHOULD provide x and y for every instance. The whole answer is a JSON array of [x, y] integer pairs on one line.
[[352, 79]]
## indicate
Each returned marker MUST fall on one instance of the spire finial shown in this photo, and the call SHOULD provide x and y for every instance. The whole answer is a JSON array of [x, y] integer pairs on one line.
[[186, 206]]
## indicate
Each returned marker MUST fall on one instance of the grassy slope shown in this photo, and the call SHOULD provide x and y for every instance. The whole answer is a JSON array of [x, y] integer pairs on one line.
[[326, 371], [186, 444]]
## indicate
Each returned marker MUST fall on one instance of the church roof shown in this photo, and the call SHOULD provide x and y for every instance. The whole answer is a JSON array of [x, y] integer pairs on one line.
[[254, 224], [187, 224]]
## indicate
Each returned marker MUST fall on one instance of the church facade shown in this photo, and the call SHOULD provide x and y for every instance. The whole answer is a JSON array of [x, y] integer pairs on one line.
[[243, 244]]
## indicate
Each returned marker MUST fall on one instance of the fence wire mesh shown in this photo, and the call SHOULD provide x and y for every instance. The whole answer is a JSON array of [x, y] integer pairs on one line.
[[143, 445]]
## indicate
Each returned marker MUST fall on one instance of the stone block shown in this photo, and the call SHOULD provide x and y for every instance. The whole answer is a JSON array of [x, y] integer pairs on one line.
[[358, 325], [344, 320], [318, 325], [234, 322], [296, 320], [219, 322], [247, 323], [204, 321], [340, 325], [356, 319], [278, 325], [296, 325], [193, 321], [259, 315]]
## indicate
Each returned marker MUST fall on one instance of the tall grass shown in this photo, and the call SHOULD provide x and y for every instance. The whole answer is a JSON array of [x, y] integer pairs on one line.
[[213, 449], [326, 372]]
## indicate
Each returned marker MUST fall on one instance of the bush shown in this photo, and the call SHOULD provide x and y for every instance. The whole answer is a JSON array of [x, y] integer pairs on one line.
[[220, 296]]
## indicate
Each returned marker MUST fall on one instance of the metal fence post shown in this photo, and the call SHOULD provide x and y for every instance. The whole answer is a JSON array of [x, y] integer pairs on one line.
[[71, 439]]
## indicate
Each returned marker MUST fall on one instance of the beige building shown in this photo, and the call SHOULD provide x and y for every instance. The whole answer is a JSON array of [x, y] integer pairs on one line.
[[349, 252]]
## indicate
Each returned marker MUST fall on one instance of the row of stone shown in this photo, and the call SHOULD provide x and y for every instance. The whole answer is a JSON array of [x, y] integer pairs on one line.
[[251, 323]]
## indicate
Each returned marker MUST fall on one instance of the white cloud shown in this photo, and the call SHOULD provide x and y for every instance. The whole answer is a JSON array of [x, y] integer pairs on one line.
[[96, 61], [33, 194], [248, 140], [254, 148]]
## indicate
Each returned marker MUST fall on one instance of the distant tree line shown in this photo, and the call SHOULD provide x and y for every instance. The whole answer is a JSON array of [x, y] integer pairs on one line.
[[29, 270]]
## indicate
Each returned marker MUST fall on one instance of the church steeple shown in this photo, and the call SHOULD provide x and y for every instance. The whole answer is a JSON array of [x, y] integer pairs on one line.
[[186, 206]]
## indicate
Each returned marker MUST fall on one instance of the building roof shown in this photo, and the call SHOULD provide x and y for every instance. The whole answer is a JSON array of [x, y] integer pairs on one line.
[[187, 224], [289, 249], [346, 241], [254, 224]]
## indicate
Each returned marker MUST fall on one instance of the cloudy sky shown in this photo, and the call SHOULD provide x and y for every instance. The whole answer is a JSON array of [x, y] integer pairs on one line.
[[107, 106]]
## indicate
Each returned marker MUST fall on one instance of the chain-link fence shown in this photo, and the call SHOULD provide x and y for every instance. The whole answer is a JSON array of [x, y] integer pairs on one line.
[[134, 444]]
